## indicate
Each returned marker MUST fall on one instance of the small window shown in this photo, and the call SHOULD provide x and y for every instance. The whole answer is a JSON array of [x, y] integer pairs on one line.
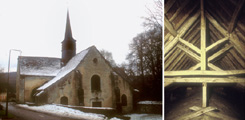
[[124, 100], [64, 100], [95, 60], [95, 83], [96, 104]]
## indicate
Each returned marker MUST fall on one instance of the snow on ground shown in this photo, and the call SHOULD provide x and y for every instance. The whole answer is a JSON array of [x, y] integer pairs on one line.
[[64, 111], [144, 116]]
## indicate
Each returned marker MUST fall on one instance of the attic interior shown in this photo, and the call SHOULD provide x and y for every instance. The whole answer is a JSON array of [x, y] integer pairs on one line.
[[204, 59]]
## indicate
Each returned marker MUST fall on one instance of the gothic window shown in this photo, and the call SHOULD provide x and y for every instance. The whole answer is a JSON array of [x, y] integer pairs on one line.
[[124, 100], [64, 100], [95, 83]]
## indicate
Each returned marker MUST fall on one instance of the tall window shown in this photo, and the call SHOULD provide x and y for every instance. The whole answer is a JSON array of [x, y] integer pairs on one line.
[[95, 83], [124, 100]]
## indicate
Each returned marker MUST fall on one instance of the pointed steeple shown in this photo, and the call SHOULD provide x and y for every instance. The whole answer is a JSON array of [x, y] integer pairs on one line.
[[68, 32], [68, 44]]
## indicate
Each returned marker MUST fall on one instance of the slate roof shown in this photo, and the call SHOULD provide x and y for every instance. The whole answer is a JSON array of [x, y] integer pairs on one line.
[[39, 66]]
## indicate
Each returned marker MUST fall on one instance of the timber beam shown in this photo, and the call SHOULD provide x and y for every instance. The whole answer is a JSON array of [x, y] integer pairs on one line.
[[219, 42], [204, 79], [183, 73], [193, 47]]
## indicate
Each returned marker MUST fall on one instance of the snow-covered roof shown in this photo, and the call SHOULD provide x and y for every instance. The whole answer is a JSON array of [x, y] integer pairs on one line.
[[39, 66], [71, 65]]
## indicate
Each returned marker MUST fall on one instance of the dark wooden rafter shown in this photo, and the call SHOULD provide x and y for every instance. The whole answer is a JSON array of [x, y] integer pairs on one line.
[[235, 15], [218, 54], [183, 4], [168, 5], [170, 27], [181, 32]]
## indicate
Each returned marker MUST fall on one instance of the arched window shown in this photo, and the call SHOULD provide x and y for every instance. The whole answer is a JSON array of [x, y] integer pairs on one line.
[[124, 100], [95, 83], [64, 100]]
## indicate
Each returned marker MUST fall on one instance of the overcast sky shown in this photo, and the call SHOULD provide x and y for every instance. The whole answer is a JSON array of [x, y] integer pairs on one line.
[[37, 27]]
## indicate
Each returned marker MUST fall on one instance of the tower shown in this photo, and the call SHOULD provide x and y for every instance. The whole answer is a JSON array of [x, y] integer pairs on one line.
[[68, 44]]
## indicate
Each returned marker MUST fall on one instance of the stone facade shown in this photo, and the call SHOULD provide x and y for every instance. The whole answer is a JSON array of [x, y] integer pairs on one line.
[[79, 88]]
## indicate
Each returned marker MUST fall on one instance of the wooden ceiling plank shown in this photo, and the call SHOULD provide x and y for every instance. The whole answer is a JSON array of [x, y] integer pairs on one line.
[[212, 66], [181, 21], [236, 56], [218, 54], [203, 73], [216, 24], [181, 32], [170, 27], [170, 54], [181, 57], [168, 5], [235, 16], [237, 44], [193, 55], [171, 59], [217, 43], [183, 4], [193, 47]]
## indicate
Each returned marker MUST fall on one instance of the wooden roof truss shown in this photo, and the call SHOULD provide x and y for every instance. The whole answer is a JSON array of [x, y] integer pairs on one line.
[[202, 44]]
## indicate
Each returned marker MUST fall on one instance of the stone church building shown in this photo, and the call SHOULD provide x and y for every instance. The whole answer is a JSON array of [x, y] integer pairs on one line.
[[83, 79]]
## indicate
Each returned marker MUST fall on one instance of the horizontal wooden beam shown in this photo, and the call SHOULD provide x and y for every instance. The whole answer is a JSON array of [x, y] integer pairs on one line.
[[219, 53], [217, 43], [193, 55], [193, 47], [203, 73], [203, 79]]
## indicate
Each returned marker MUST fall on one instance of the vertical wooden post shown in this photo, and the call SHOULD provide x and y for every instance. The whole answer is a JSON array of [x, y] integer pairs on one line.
[[204, 94], [203, 53], [203, 38]]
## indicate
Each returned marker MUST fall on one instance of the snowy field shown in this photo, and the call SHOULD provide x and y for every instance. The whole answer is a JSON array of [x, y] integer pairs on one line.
[[66, 112], [76, 114]]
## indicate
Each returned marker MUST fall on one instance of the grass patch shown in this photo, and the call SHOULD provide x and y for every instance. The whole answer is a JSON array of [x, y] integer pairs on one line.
[[2, 114]]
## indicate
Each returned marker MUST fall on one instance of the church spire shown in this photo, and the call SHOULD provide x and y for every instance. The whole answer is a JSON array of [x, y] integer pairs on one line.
[[68, 44], [68, 32]]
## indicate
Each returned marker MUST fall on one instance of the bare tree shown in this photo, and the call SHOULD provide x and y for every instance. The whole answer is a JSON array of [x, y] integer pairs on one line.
[[108, 56], [145, 57]]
